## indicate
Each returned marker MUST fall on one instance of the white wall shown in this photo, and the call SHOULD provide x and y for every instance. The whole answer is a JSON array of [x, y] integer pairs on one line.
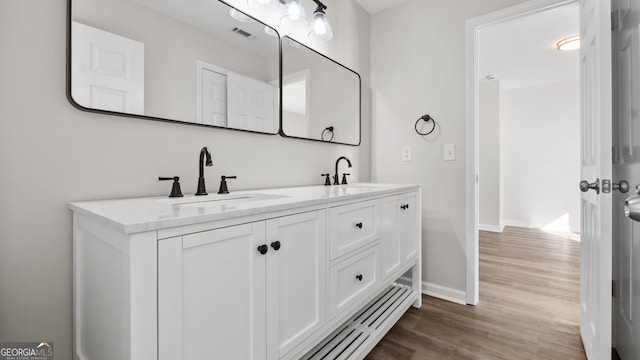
[[52, 153], [541, 152], [418, 67], [490, 183]]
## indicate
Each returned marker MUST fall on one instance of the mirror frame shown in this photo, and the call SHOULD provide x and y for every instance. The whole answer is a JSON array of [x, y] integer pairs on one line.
[[147, 117], [282, 133]]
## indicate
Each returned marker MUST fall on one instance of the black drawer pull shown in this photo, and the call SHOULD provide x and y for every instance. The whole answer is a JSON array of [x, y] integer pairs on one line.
[[359, 277], [359, 225], [263, 249], [275, 245]]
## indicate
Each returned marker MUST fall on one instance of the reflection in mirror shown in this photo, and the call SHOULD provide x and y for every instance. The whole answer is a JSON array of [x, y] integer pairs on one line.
[[320, 97], [191, 61]]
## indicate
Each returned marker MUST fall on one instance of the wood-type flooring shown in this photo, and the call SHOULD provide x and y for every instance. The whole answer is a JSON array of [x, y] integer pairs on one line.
[[529, 306]]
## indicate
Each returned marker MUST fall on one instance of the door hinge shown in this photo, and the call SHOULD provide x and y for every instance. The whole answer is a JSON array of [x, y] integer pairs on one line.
[[613, 288]]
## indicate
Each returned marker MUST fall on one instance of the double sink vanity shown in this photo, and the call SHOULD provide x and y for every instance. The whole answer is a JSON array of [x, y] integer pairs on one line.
[[317, 272]]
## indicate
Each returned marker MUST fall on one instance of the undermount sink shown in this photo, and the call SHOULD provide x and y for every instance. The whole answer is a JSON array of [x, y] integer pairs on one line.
[[213, 200]]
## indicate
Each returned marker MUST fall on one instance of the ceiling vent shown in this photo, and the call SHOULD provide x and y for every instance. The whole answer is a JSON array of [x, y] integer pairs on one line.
[[243, 33]]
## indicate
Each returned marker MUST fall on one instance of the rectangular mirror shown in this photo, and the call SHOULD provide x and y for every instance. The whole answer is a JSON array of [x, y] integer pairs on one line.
[[190, 61], [320, 97]]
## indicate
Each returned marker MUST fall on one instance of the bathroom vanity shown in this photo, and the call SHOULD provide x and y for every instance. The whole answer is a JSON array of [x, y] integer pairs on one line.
[[294, 273]]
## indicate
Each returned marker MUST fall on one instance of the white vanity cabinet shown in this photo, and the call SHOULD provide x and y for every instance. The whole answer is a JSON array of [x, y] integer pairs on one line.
[[217, 289], [276, 274]]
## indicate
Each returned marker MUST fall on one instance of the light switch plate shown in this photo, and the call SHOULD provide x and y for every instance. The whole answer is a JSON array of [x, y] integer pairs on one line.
[[406, 153], [449, 152]]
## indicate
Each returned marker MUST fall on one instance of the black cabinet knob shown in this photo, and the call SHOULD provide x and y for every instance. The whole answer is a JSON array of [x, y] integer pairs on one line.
[[359, 277], [359, 225], [275, 245], [263, 249]]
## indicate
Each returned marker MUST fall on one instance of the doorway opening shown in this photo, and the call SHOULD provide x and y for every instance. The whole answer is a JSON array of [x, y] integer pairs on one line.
[[525, 107]]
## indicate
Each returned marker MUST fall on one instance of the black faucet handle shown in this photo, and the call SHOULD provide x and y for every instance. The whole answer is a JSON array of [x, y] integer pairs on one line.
[[175, 189], [223, 184], [344, 178], [327, 179]]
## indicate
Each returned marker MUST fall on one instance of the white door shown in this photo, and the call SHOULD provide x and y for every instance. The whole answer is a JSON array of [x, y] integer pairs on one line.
[[107, 70], [626, 167], [296, 280], [250, 104], [211, 295], [596, 102], [214, 98]]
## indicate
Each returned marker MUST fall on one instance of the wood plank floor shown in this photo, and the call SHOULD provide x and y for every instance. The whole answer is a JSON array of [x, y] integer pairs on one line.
[[529, 306]]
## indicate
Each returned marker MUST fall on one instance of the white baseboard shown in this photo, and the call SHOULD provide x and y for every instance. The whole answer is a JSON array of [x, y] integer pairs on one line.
[[444, 293], [528, 225], [492, 228]]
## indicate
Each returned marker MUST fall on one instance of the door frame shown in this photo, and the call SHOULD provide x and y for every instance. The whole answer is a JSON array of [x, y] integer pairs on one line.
[[474, 25]]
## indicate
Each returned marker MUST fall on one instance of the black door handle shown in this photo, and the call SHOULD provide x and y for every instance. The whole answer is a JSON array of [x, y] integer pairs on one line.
[[275, 245]]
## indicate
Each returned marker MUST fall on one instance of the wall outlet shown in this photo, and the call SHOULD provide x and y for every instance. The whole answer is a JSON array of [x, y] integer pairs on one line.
[[449, 152], [406, 153]]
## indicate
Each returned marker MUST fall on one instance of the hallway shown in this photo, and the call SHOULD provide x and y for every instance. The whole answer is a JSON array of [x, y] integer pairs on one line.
[[529, 306]]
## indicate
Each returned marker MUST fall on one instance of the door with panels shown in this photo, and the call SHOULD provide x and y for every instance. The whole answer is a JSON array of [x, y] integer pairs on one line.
[[399, 231], [626, 168], [107, 70], [595, 246]]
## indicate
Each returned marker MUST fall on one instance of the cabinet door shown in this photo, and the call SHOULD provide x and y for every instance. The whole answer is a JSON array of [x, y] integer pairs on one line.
[[399, 234], [390, 234], [211, 295], [409, 226], [296, 279]]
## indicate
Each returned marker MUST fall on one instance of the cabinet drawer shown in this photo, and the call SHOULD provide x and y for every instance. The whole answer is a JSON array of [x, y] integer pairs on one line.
[[353, 226], [352, 279]]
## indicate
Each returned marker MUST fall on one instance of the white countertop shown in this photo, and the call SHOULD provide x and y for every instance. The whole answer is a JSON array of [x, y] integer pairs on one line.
[[154, 213]]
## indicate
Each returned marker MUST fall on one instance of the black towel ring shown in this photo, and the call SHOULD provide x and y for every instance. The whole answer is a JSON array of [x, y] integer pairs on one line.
[[426, 118], [330, 130]]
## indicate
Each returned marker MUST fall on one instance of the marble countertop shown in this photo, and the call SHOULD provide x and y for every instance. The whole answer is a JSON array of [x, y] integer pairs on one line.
[[154, 213]]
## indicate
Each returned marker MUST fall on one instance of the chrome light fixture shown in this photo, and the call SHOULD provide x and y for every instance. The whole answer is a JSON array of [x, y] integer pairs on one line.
[[569, 43], [320, 28]]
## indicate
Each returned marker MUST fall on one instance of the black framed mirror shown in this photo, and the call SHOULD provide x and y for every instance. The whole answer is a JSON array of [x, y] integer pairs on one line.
[[199, 62], [321, 98]]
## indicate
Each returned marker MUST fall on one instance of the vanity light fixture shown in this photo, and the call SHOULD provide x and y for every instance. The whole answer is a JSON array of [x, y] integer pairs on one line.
[[293, 14], [320, 30], [569, 43]]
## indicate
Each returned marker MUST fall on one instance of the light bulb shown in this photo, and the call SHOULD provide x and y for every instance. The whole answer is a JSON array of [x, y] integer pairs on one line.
[[319, 24], [294, 10]]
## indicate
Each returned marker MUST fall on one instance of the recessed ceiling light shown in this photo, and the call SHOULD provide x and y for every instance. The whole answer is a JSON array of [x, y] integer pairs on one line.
[[568, 44]]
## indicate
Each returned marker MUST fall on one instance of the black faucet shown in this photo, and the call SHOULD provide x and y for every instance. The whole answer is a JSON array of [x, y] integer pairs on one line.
[[202, 189], [336, 178]]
